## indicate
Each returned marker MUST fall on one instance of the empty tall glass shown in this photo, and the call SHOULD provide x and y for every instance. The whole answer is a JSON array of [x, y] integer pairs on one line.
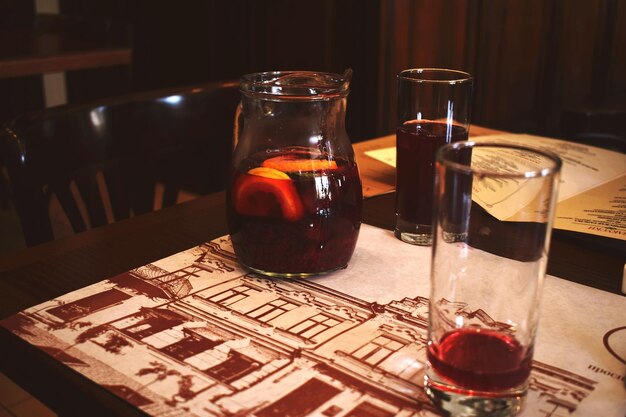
[[494, 208]]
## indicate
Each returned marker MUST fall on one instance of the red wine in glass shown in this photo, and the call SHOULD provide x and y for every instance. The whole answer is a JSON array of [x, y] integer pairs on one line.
[[480, 359], [416, 145]]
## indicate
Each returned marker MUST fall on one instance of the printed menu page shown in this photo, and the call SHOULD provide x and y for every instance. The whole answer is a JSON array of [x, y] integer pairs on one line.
[[592, 193]]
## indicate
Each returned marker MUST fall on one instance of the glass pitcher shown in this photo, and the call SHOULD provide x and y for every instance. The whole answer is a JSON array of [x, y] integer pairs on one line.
[[294, 197]]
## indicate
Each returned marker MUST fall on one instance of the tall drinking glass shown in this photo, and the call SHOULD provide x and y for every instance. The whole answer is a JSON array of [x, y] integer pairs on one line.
[[494, 208], [433, 110]]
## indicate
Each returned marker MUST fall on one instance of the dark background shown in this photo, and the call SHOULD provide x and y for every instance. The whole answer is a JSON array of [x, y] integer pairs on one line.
[[547, 67]]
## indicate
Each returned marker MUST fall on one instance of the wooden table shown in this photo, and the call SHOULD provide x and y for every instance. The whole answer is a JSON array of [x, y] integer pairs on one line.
[[41, 273], [587, 259]]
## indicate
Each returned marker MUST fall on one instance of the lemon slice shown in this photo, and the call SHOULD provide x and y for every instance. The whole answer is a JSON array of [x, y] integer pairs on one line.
[[290, 164], [269, 173]]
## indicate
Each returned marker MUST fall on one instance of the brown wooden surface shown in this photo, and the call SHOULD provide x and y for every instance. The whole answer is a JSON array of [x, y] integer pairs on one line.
[[63, 61], [590, 260], [57, 43], [90, 42], [48, 270], [43, 272], [531, 59], [199, 43], [40, 273]]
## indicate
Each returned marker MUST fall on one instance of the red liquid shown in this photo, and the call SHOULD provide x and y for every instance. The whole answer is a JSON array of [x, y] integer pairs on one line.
[[308, 223], [480, 359], [416, 145]]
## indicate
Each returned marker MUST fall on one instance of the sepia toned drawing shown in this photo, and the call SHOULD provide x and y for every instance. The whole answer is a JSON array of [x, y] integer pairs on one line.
[[196, 335]]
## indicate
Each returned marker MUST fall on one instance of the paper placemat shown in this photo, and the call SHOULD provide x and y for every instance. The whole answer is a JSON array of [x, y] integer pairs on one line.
[[195, 335]]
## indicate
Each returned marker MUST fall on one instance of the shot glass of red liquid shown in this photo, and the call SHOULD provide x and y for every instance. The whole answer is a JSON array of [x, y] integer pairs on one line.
[[494, 207], [433, 110]]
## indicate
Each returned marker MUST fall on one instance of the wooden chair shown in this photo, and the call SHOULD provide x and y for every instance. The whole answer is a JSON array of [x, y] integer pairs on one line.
[[72, 168]]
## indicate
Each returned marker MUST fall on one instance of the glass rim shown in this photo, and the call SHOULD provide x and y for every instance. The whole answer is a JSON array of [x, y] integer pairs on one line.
[[541, 172], [456, 76], [293, 84]]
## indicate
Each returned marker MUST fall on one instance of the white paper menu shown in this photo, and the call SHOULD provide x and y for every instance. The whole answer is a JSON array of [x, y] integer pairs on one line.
[[592, 193]]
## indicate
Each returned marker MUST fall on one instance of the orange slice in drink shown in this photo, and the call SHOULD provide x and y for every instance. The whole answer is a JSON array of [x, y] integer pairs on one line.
[[268, 173], [265, 192], [290, 163]]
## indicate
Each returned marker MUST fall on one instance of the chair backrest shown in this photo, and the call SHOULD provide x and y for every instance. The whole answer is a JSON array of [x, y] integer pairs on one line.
[[110, 160]]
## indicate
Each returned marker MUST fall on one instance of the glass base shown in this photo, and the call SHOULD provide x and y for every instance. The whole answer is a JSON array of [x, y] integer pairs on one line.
[[415, 234], [291, 274], [450, 237], [457, 402], [414, 238]]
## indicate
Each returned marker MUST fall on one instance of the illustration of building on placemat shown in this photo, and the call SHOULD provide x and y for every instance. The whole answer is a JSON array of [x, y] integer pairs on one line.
[[194, 334]]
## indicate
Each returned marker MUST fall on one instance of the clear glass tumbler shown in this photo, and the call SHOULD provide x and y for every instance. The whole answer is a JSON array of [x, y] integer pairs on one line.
[[433, 110], [494, 207]]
